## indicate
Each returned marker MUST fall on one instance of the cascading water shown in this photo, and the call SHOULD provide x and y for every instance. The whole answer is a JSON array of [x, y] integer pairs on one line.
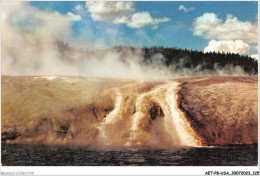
[[138, 115], [110, 119], [181, 126], [173, 128]]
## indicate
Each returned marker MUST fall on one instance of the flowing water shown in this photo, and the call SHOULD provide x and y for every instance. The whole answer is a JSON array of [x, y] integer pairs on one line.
[[155, 122], [110, 118], [34, 155], [181, 125]]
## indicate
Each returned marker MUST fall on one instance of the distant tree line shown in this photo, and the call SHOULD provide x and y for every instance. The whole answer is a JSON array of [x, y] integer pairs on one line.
[[180, 58], [185, 58]]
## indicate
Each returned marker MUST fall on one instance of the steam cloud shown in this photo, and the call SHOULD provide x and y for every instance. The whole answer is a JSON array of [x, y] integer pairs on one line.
[[30, 46]]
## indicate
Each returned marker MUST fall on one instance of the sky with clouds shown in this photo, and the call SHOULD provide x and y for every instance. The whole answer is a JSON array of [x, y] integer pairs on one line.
[[204, 26]]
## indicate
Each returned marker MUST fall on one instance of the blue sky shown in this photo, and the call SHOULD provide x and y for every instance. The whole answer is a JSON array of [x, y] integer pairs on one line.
[[177, 26]]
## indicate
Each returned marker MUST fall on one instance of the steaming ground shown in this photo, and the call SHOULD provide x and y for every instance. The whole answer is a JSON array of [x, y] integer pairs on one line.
[[128, 112]]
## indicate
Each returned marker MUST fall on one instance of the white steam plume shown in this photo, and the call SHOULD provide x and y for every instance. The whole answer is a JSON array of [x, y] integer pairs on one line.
[[31, 46]]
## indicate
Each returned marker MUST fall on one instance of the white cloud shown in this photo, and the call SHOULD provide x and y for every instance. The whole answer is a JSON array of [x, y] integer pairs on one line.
[[78, 7], [255, 56], [74, 17], [182, 7], [121, 13], [141, 19], [80, 10], [119, 20], [209, 26], [107, 10], [237, 46]]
